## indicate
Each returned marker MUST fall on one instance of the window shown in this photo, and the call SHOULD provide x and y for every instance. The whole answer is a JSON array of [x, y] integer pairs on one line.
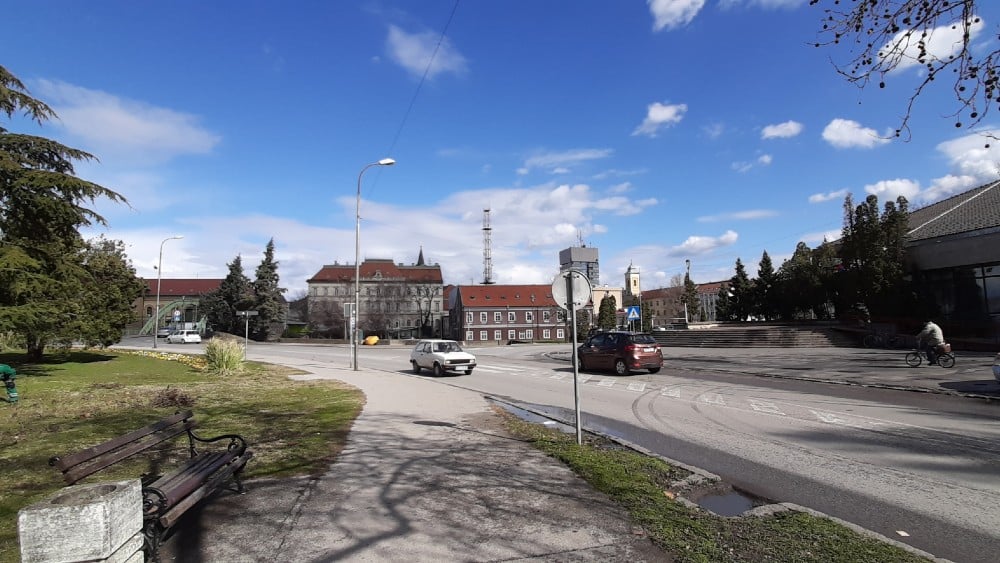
[[497, 317], [546, 334], [529, 317], [468, 334], [546, 317], [468, 317], [497, 334], [483, 334], [560, 334], [529, 334], [512, 316], [482, 318], [149, 311], [511, 334]]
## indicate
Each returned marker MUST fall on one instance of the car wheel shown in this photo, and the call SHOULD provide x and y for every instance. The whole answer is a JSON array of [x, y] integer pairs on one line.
[[438, 370], [654, 370], [416, 366], [580, 365], [621, 368]]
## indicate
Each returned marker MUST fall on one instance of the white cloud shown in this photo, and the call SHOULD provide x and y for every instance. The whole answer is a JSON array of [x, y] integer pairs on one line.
[[672, 14], [621, 188], [941, 43], [765, 159], [696, 245], [844, 133], [415, 51], [741, 167], [820, 198], [969, 156], [781, 130], [109, 125], [658, 116], [748, 215], [815, 239], [562, 162], [947, 186], [888, 190]]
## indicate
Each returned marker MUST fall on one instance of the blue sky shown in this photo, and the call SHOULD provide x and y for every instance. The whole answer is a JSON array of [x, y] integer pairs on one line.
[[658, 131]]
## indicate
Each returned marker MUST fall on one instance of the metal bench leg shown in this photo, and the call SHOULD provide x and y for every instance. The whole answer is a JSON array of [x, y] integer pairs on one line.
[[152, 538]]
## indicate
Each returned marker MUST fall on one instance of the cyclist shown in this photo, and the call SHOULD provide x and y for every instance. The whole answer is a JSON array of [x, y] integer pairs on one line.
[[929, 339]]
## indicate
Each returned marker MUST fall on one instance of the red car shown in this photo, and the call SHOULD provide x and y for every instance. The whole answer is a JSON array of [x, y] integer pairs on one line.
[[621, 352]]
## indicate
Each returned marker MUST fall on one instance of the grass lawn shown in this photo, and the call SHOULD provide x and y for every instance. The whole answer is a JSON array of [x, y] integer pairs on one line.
[[82, 398]]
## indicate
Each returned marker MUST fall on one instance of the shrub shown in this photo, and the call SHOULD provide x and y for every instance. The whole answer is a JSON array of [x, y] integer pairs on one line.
[[224, 356], [172, 397]]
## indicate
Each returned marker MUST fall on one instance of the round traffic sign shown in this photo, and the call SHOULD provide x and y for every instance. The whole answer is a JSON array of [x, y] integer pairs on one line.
[[571, 281]]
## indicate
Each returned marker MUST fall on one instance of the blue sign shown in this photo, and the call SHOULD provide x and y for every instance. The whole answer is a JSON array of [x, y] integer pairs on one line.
[[632, 313]]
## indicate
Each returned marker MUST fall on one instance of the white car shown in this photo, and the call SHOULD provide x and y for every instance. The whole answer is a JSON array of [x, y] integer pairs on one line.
[[441, 357], [184, 337]]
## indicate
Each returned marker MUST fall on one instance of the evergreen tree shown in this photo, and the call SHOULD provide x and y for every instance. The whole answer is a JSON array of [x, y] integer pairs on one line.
[[606, 315], [766, 289], [724, 305], [741, 302], [691, 299], [107, 293], [42, 208], [235, 293], [270, 305]]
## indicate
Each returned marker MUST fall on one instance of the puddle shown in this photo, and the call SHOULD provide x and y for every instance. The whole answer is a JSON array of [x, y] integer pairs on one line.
[[729, 502], [536, 419]]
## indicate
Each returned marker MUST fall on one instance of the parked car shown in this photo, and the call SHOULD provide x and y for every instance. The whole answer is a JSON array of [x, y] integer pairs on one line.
[[184, 337], [621, 352], [164, 331], [441, 357]]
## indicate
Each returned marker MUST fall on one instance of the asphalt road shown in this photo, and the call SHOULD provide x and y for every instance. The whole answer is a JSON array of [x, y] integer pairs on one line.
[[917, 467]]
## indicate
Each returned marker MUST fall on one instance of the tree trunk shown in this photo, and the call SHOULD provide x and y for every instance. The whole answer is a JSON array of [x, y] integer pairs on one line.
[[36, 346]]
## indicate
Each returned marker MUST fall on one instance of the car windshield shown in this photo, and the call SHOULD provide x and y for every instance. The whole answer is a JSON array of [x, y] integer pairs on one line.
[[643, 339], [447, 347]]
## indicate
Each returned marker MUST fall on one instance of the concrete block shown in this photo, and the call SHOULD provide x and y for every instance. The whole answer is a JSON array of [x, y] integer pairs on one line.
[[81, 523]]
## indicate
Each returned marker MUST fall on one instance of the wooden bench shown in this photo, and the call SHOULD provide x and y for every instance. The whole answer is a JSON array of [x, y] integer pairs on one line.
[[165, 497]]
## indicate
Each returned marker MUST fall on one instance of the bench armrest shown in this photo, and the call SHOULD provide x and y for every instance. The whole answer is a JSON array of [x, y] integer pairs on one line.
[[236, 442]]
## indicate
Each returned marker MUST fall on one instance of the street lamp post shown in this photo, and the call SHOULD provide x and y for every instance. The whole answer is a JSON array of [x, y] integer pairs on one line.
[[355, 316], [159, 270]]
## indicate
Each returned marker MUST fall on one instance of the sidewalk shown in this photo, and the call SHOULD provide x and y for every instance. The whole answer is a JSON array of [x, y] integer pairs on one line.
[[427, 475]]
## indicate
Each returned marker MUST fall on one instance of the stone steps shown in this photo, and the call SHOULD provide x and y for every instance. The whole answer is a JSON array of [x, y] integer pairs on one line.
[[757, 337]]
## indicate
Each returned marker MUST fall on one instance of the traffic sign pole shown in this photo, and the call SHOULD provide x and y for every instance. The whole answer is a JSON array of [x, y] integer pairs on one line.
[[571, 290]]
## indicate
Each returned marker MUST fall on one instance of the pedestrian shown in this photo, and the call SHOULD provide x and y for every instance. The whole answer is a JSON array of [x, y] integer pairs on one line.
[[929, 340]]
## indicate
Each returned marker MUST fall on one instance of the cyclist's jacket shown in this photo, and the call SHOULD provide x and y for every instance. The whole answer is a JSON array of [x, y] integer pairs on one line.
[[931, 334]]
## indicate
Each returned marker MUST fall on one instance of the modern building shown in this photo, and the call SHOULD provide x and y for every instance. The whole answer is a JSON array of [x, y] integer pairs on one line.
[[953, 246], [395, 300], [582, 259], [505, 313]]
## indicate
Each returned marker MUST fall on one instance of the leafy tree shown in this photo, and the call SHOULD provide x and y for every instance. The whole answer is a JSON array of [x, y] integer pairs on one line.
[[741, 302], [107, 293], [606, 314], [326, 317], [690, 298], [42, 207], [582, 324], [767, 292], [939, 37], [235, 293], [270, 305]]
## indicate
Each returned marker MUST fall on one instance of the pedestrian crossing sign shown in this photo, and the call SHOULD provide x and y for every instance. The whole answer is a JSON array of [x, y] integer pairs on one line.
[[632, 313]]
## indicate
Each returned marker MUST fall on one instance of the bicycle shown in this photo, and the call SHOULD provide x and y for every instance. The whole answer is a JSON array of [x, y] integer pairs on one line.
[[944, 359]]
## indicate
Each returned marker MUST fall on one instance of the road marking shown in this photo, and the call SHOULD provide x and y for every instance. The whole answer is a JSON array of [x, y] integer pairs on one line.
[[640, 387], [672, 393], [558, 376], [584, 378], [606, 382], [902, 533], [712, 399], [764, 406]]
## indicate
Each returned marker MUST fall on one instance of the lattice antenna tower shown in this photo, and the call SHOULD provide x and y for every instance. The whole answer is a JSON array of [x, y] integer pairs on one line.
[[487, 249]]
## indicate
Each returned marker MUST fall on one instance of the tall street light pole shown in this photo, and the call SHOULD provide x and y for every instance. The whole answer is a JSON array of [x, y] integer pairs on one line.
[[355, 317], [159, 270]]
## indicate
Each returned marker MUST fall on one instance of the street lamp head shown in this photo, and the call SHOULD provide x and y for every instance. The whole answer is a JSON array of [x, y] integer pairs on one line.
[[386, 162]]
